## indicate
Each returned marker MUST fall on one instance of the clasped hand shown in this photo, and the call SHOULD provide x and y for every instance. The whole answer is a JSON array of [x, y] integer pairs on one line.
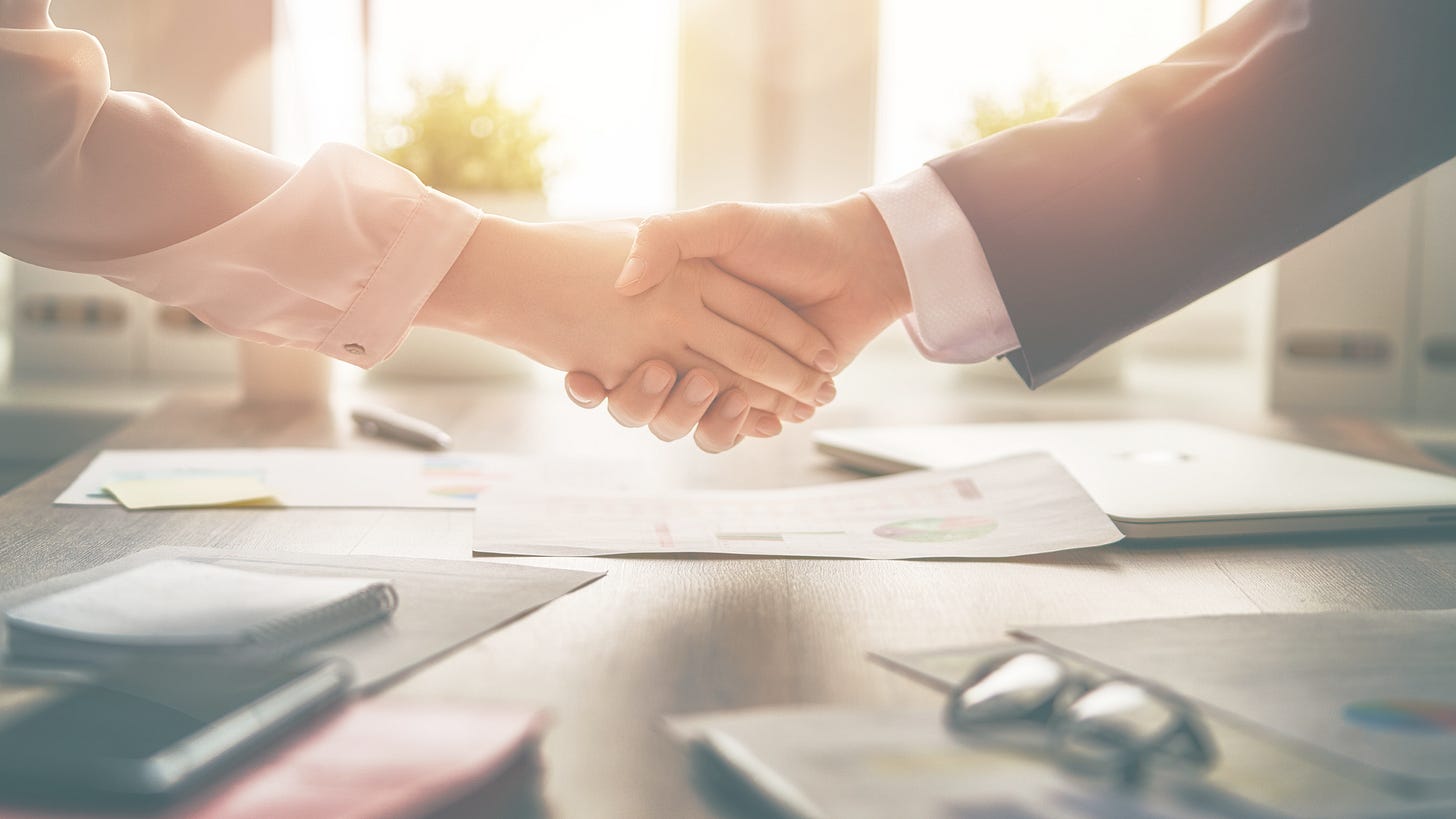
[[835, 265], [731, 318]]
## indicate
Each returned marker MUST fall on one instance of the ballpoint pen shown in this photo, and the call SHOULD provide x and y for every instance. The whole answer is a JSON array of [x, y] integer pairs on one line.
[[382, 422]]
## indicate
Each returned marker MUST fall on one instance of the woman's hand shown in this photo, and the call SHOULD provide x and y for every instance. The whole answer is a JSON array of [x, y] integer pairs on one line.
[[547, 291]]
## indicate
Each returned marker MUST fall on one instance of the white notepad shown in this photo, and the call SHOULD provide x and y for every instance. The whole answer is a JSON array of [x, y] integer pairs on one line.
[[190, 607]]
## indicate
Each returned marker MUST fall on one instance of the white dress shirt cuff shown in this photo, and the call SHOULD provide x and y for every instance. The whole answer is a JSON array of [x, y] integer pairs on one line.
[[958, 315]]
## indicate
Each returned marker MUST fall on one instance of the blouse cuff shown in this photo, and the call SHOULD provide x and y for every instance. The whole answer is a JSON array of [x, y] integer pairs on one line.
[[377, 321]]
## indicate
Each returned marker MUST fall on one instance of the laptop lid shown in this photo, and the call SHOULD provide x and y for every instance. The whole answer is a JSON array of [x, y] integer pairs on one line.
[[1179, 479]]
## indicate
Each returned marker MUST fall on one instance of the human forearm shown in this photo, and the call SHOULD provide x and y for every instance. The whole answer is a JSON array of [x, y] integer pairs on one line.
[[334, 256], [1250, 140], [89, 174]]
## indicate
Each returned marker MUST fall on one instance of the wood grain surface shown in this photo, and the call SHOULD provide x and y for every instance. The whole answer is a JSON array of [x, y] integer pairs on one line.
[[665, 636]]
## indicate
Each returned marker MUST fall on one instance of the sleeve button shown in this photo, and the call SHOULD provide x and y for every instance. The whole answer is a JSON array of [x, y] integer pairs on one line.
[[355, 349]]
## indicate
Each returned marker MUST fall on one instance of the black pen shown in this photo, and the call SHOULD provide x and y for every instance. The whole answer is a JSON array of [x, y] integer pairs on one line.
[[381, 422]]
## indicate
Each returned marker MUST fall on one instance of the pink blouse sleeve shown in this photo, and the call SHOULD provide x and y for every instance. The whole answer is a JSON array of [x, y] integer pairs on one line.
[[335, 256]]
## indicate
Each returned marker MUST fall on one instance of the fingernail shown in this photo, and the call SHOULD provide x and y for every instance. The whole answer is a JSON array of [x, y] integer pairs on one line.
[[698, 390], [825, 394], [769, 425], [575, 397], [655, 380], [825, 361], [631, 272], [803, 412], [735, 405]]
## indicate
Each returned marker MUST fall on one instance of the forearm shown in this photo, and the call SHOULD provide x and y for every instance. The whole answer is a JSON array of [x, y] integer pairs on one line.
[[335, 256], [1254, 138], [90, 174], [487, 291]]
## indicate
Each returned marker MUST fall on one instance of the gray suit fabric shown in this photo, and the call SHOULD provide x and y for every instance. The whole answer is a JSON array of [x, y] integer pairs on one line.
[[1252, 139]]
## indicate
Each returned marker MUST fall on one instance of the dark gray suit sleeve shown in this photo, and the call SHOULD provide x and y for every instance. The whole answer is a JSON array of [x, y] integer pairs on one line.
[[1254, 138]]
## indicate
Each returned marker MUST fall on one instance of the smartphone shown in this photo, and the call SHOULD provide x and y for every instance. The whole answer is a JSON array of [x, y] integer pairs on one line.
[[148, 731]]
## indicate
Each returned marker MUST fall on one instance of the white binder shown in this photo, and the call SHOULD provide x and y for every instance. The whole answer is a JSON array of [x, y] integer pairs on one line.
[[1365, 314]]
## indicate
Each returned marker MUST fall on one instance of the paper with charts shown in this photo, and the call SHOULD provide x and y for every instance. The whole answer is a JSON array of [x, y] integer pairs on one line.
[[343, 478], [1022, 505]]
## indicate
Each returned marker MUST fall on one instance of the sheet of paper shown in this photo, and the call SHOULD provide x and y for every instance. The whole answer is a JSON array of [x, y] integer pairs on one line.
[[1022, 505], [442, 603], [348, 478], [1376, 687], [178, 493], [866, 764]]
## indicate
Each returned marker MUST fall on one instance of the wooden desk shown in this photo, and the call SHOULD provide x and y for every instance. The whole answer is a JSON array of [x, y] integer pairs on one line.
[[666, 636]]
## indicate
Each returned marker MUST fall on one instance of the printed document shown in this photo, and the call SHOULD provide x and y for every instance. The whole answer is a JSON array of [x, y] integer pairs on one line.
[[1023, 505]]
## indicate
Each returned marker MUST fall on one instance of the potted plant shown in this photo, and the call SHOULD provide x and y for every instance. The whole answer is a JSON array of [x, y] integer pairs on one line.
[[468, 142]]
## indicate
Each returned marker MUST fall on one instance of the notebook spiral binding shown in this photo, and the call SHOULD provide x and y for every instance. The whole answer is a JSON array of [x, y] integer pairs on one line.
[[287, 634]]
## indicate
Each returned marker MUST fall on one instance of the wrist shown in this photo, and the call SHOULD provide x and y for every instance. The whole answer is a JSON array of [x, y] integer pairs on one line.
[[873, 252], [468, 298]]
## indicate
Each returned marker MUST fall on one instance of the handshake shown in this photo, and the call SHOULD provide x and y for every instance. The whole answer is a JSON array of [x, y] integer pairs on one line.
[[730, 319]]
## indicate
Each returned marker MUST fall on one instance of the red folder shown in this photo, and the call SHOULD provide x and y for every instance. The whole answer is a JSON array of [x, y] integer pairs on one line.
[[374, 759]]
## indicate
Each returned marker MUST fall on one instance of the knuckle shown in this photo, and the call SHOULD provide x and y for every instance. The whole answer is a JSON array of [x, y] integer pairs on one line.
[[728, 211], [760, 317], [762, 398], [808, 382], [796, 411], [756, 357], [653, 229], [809, 343]]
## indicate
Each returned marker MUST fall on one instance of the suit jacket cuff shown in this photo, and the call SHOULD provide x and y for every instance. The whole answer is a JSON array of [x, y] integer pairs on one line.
[[958, 313]]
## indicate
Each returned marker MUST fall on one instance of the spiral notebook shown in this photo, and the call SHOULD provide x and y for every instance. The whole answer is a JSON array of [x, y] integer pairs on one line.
[[185, 608]]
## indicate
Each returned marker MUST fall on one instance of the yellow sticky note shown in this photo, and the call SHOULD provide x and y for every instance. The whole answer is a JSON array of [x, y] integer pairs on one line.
[[178, 493]]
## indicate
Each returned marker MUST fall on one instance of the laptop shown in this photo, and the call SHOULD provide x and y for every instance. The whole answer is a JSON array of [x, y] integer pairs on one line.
[[1174, 479]]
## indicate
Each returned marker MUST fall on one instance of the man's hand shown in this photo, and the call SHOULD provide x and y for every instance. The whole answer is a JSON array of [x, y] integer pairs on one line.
[[836, 264], [546, 290]]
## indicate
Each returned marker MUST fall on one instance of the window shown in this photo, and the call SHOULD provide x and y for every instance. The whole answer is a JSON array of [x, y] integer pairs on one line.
[[603, 74], [939, 59]]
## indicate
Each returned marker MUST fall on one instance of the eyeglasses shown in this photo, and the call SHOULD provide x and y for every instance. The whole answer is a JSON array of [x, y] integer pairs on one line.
[[1116, 727]]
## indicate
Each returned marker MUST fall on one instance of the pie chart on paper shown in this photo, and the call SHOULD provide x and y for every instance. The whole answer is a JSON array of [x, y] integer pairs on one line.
[[937, 530], [1407, 716]]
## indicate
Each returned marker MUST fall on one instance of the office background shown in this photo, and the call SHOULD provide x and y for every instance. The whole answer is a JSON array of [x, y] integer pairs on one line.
[[647, 105]]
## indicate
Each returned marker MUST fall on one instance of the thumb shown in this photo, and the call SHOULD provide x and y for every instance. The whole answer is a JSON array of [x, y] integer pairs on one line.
[[663, 241]]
